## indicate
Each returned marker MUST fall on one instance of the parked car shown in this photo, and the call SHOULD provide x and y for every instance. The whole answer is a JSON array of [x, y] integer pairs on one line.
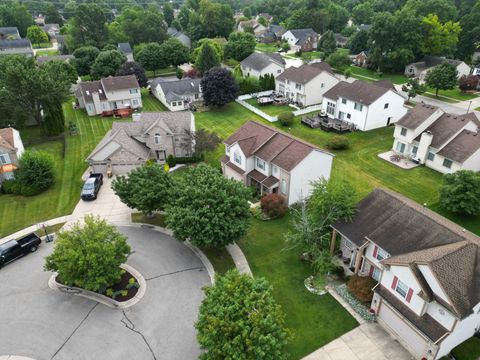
[[92, 187], [13, 249]]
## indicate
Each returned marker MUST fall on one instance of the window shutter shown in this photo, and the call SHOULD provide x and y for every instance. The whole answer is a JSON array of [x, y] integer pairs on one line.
[[409, 295], [370, 272], [375, 251], [394, 282]]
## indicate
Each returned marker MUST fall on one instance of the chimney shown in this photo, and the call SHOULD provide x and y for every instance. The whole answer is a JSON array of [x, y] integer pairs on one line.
[[136, 116], [423, 146]]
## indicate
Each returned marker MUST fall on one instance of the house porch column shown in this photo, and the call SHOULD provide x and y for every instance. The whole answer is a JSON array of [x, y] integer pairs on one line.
[[333, 241]]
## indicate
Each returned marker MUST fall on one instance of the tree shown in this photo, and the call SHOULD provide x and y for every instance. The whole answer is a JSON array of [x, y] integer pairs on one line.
[[184, 17], [327, 43], [52, 16], [89, 257], [84, 57], [358, 42], [207, 59], [107, 63], [363, 13], [239, 319], [36, 35], [214, 43], [338, 60], [60, 70], [262, 21], [338, 16], [204, 140], [470, 33], [317, 19], [35, 172], [468, 82], [445, 9], [460, 192], [413, 88], [175, 52], [132, 68], [54, 119], [87, 27], [440, 39], [215, 20], [168, 13], [13, 13], [240, 45], [151, 57], [442, 77], [208, 209], [147, 188], [219, 87]]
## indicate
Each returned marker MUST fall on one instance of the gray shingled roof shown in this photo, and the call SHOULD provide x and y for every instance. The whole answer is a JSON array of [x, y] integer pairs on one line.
[[462, 146], [302, 34], [184, 38], [175, 90], [302, 74], [415, 117], [259, 61], [125, 48], [15, 44], [359, 91]]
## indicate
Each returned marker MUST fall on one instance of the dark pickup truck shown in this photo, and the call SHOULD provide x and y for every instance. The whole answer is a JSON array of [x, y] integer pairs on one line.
[[92, 187], [13, 249]]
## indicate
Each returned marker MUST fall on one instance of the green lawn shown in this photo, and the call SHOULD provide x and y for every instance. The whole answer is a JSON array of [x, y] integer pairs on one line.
[[42, 45], [313, 320], [272, 110], [151, 103], [367, 74], [468, 350], [47, 52], [477, 109], [171, 70], [273, 47], [455, 94]]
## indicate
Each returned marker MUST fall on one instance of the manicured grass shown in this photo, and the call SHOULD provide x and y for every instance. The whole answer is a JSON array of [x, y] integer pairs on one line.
[[151, 103], [440, 97], [50, 229], [157, 219], [477, 109], [313, 320], [271, 109], [455, 94], [273, 47], [468, 350], [171, 70], [42, 45], [367, 74], [47, 52]]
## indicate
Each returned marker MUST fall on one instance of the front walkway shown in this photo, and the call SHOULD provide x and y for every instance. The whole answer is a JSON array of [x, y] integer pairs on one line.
[[368, 341]]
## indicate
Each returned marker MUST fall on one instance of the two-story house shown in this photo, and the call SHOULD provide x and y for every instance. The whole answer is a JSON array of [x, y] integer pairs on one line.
[[274, 162], [306, 84], [427, 269], [16, 47], [151, 136], [109, 94], [260, 64], [177, 95], [442, 141], [421, 68], [367, 105], [11, 148], [301, 39], [272, 34]]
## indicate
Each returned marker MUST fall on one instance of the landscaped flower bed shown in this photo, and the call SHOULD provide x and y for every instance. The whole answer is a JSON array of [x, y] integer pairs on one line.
[[356, 305]]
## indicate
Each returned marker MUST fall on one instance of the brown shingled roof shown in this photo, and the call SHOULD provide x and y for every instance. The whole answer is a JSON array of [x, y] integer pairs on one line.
[[115, 83], [462, 146], [6, 139], [302, 74], [359, 91], [416, 117]]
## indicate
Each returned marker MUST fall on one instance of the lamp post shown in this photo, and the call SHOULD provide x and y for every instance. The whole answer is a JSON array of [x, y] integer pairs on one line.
[[47, 236]]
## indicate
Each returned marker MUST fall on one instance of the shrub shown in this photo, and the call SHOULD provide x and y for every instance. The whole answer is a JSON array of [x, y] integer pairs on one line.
[[361, 287], [338, 143], [468, 82], [171, 161], [286, 118], [347, 73], [35, 173], [273, 205], [460, 192], [11, 187], [179, 73]]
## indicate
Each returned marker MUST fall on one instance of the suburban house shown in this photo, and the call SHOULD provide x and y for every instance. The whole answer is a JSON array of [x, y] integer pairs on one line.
[[11, 148], [266, 16], [427, 269], [420, 69], [301, 39], [151, 136], [442, 141], [366, 105], [9, 33], [306, 84], [184, 38], [272, 34], [260, 64], [16, 47], [341, 40], [52, 30], [126, 50], [251, 24], [274, 162], [177, 94], [361, 59], [109, 94], [476, 57]]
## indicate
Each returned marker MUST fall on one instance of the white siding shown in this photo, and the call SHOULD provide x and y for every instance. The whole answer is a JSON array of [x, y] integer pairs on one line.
[[432, 282], [235, 149], [442, 315], [377, 115], [273, 68], [17, 142], [473, 162]]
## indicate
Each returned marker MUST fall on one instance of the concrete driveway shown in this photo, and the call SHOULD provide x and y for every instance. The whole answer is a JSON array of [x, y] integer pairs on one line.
[[40, 323]]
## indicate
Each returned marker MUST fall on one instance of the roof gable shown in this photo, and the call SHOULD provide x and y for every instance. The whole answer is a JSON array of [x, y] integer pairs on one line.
[[359, 91]]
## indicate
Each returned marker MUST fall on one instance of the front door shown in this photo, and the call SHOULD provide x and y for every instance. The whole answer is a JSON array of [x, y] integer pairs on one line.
[[341, 115], [161, 156]]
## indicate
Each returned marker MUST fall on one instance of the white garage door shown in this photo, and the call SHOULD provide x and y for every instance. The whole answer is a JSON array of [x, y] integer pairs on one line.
[[414, 342], [99, 168], [122, 169]]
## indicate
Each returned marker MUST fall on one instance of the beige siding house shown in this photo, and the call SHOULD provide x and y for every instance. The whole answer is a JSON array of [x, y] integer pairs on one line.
[[11, 148]]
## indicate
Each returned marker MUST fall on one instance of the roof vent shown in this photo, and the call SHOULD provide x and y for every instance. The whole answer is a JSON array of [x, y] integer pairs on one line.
[[87, 92], [100, 91], [455, 117], [462, 119]]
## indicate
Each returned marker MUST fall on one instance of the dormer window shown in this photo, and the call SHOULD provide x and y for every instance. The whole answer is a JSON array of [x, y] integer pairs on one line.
[[157, 138], [403, 132]]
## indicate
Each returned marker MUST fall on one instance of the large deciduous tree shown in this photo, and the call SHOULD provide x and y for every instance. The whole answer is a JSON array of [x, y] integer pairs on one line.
[[440, 39], [208, 209], [35, 172], [460, 192], [13, 13], [358, 42], [338, 60], [132, 68], [87, 27], [175, 52], [468, 41], [89, 257], [219, 87], [52, 16], [239, 319], [151, 57], [413, 88], [36, 35], [147, 188], [107, 63], [207, 59], [327, 43], [442, 77], [84, 57], [215, 20], [214, 43], [168, 13], [240, 45]]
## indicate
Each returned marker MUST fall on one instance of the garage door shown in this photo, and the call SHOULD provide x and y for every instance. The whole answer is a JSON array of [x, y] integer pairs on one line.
[[99, 168], [122, 169], [414, 342]]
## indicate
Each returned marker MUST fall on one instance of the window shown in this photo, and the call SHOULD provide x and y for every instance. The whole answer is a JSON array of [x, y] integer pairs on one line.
[[196, 96], [298, 86], [237, 158], [279, 71], [403, 132], [344, 101], [330, 108], [174, 103], [288, 81], [385, 106], [133, 91], [414, 149], [135, 102], [375, 273], [358, 107], [157, 138], [322, 85], [349, 116], [430, 156], [260, 164], [447, 163], [341, 115], [401, 287], [379, 254], [284, 186], [274, 169], [400, 147], [4, 159]]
